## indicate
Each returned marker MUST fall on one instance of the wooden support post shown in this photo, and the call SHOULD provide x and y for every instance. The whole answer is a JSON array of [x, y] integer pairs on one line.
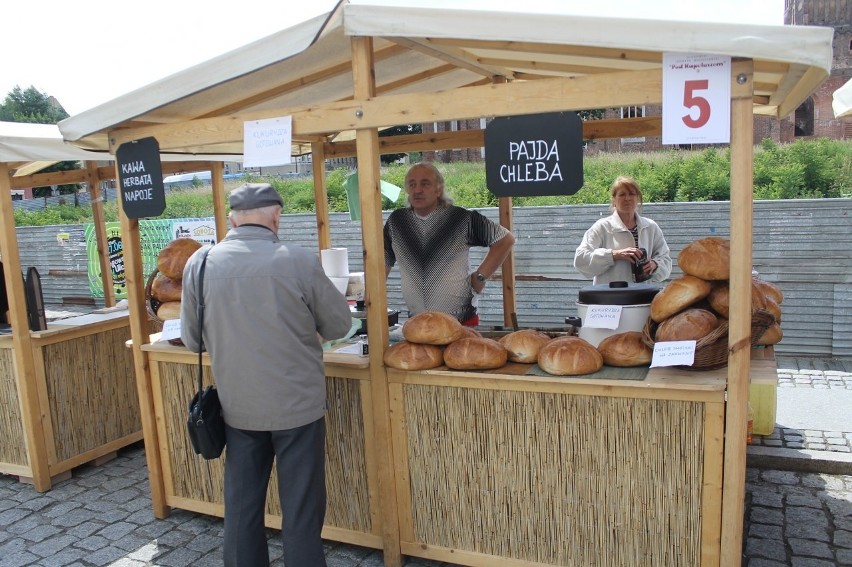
[[140, 335], [219, 214], [508, 269], [739, 326], [93, 182], [25, 374], [369, 187], [320, 195]]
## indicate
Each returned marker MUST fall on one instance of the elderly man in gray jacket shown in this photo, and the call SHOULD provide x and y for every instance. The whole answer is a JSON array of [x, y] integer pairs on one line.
[[264, 304]]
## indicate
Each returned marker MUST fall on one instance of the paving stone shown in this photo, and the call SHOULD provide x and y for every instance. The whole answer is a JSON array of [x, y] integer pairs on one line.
[[767, 548], [92, 543], [806, 547], [116, 531], [18, 559], [781, 477], [40, 533], [810, 562]]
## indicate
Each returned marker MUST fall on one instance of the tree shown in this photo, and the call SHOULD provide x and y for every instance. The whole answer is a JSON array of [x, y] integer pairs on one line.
[[35, 107], [398, 131]]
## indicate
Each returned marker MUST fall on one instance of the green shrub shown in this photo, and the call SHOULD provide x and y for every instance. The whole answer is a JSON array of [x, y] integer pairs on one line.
[[819, 168]]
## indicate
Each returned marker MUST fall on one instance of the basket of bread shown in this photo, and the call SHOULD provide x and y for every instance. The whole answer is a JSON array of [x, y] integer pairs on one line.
[[695, 306], [163, 288]]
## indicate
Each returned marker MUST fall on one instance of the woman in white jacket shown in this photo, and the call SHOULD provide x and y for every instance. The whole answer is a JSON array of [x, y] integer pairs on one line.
[[612, 249]]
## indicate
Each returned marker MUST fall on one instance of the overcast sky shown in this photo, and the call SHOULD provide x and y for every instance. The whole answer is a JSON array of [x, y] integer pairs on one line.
[[87, 52]]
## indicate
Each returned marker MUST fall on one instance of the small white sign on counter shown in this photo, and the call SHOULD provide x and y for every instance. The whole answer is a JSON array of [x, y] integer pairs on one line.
[[602, 316], [171, 330], [673, 353]]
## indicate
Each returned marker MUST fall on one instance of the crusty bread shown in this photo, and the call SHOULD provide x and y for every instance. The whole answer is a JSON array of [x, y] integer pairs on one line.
[[569, 356], [172, 258], [625, 349], [771, 290], [469, 332], [475, 353], [523, 346], [706, 258], [678, 294], [164, 288], [406, 355], [169, 310], [432, 328], [689, 325], [770, 305], [719, 298], [772, 335]]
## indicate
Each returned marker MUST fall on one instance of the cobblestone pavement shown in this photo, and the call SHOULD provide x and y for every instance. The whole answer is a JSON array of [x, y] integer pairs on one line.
[[102, 515]]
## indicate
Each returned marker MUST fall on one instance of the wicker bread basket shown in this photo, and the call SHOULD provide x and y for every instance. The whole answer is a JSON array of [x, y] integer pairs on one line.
[[711, 350]]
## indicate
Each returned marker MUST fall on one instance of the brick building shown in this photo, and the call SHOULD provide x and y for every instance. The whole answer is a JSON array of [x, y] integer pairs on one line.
[[813, 119]]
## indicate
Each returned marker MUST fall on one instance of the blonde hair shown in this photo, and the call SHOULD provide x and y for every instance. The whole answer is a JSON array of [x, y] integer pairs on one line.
[[623, 182]]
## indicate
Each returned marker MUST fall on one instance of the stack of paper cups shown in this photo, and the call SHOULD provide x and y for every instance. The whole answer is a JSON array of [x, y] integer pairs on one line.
[[335, 262]]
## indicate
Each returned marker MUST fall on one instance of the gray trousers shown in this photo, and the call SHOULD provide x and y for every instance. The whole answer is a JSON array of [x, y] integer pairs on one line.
[[300, 457]]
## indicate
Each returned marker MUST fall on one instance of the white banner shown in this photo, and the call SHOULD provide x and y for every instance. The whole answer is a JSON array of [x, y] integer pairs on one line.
[[696, 99]]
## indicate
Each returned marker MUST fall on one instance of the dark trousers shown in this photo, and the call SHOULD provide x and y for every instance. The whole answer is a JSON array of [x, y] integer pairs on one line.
[[300, 457]]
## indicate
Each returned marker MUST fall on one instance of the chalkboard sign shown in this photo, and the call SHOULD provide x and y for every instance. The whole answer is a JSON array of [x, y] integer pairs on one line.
[[537, 154], [141, 178]]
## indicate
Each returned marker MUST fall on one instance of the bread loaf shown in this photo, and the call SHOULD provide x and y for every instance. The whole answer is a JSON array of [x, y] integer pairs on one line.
[[569, 356], [469, 332], [689, 325], [475, 353], [772, 335], [164, 288], [770, 290], [172, 259], [775, 309], [719, 298], [523, 346], [707, 258], [678, 294], [432, 328], [406, 355], [169, 310], [625, 349]]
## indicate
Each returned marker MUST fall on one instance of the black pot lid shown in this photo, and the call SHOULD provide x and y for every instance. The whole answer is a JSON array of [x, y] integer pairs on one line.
[[618, 293]]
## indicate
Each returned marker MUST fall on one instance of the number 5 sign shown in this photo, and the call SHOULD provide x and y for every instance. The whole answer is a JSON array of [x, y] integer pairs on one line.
[[696, 99]]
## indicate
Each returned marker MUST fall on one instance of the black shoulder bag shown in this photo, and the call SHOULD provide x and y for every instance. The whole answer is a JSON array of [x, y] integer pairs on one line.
[[205, 424]]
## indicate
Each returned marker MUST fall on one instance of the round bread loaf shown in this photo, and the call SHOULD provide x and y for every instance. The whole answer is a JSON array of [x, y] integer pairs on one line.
[[406, 355], [707, 258], [772, 335], [719, 298], [432, 328], [770, 305], [169, 310], [172, 258], [469, 332], [569, 356], [164, 288], [523, 346], [625, 349], [689, 325], [475, 353], [678, 294], [771, 290]]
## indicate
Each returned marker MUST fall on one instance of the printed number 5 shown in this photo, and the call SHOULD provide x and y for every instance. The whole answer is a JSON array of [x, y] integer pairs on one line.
[[690, 100]]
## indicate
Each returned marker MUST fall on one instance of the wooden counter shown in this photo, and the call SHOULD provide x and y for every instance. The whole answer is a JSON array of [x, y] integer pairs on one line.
[[501, 466], [87, 400], [191, 483]]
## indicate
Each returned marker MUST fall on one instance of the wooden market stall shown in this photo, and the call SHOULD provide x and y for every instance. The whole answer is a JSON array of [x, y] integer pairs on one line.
[[67, 392], [466, 467]]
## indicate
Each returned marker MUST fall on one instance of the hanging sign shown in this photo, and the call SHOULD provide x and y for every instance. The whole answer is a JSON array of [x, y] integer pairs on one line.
[[267, 142], [532, 155], [140, 178], [696, 99]]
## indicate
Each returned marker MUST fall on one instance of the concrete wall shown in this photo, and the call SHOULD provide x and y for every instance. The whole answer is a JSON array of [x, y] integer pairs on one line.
[[803, 246]]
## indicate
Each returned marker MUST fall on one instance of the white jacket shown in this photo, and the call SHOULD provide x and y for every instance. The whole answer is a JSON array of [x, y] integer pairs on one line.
[[593, 257]]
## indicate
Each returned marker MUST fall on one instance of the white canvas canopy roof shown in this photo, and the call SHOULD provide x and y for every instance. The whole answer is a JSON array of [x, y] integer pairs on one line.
[[28, 148], [433, 50], [842, 101]]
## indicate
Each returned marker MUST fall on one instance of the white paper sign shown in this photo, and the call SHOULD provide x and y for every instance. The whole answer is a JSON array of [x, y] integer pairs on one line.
[[696, 99], [171, 330], [602, 316], [267, 142], [673, 353]]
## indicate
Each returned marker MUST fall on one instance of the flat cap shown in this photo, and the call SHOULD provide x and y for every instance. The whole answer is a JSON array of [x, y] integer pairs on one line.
[[254, 196]]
